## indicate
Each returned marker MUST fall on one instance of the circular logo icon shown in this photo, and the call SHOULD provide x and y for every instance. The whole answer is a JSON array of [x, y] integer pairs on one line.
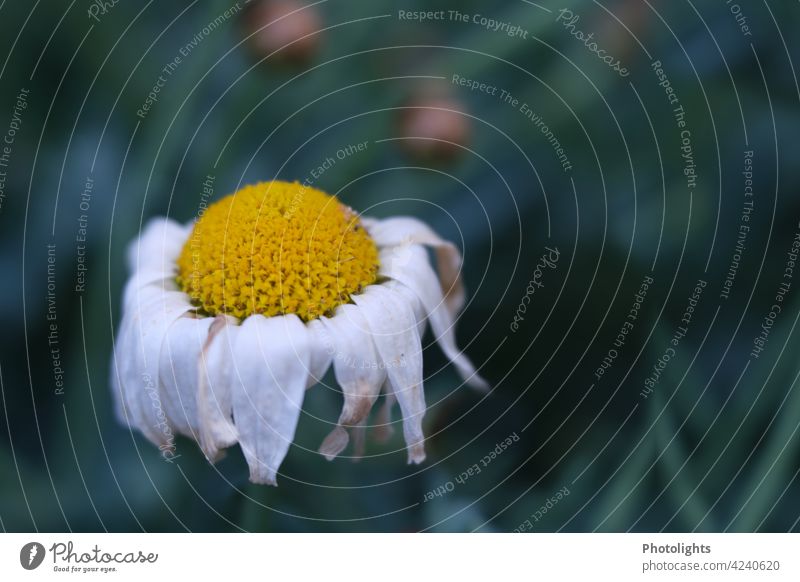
[[31, 555]]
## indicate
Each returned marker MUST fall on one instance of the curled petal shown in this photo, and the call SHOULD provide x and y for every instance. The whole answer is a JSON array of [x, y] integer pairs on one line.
[[358, 367], [179, 374], [417, 275], [337, 440], [393, 326], [334, 443], [359, 370], [214, 370], [135, 367], [404, 230]]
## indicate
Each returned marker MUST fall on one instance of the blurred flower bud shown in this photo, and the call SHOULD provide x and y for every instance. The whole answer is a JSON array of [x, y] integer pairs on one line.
[[285, 26], [619, 33], [434, 127]]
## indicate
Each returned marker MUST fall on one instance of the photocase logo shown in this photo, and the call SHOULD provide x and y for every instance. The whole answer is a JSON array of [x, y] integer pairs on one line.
[[31, 555]]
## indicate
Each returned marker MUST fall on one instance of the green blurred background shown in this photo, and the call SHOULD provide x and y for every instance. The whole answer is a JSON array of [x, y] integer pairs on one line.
[[714, 446]]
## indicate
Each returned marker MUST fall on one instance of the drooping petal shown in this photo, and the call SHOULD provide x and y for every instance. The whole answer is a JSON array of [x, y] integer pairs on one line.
[[358, 366], [136, 357], [158, 247], [414, 303], [394, 331], [334, 443], [359, 370], [382, 428], [179, 372], [359, 436], [215, 377], [321, 353], [417, 274], [401, 230], [271, 366], [135, 295]]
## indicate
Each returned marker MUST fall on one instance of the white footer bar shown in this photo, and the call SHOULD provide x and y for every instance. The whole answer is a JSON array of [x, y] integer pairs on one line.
[[389, 557]]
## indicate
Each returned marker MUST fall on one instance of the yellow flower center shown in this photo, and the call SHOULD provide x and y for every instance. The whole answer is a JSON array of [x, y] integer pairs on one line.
[[276, 248]]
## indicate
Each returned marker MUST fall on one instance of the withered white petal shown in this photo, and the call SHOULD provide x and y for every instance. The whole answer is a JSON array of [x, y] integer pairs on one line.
[[382, 428], [142, 332], [179, 372], [271, 364], [394, 330], [397, 258], [416, 273], [321, 353], [359, 436], [358, 368], [215, 376], [334, 443], [401, 230]]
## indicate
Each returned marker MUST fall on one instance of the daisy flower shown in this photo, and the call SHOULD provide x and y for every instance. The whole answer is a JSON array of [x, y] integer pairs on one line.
[[227, 321]]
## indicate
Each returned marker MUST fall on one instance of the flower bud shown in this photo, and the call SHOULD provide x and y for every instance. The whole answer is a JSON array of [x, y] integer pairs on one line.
[[284, 27], [434, 128]]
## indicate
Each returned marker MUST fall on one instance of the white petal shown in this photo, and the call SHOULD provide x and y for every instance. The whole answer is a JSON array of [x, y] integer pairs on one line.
[[394, 332], [403, 230], [150, 280], [417, 274], [179, 372], [383, 428], [414, 303], [393, 259], [367, 222], [321, 353], [135, 296], [359, 434], [158, 247], [334, 443], [271, 364], [144, 325], [359, 370], [215, 374]]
